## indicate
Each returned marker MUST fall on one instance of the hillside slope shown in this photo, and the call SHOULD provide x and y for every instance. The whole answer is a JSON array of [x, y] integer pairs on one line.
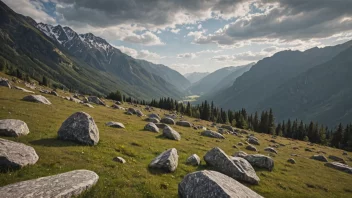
[[195, 76]]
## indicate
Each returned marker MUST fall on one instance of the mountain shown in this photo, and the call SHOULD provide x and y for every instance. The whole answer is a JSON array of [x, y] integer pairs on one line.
[[81, 62], [266, 77], [195, 76], [208, 82]]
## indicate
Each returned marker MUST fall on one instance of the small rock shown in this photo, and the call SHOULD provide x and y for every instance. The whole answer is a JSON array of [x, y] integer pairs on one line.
[[75, 100], [184, 123], [139, 113], [115, 106], [240, 144], [344, 153], [308, 149], [5, 82], [170, 133], [115, 124], [54, 93], [291, 160], [24, 90], [119, 159], [251, 148], [151, 127], [161, 125], [227, 127], [167, 120], [167, 160], [193, 160], [131, 110], [37, 98], [321, 158], [212, 134], [13, 128], [253, 140], [269, 149], [96, 100], [88, 105]]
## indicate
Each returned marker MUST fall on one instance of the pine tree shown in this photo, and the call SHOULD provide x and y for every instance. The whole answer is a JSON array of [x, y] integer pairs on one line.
[[337, 136]]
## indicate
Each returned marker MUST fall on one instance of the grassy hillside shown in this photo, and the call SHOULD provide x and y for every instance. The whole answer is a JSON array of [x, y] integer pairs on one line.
[[307, 178]]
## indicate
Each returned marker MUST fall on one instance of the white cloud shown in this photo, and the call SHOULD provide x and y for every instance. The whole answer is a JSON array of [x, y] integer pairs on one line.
[[185, 67], [146, 38], [199, 26], [142, 54], [175, 31], [186, 55]]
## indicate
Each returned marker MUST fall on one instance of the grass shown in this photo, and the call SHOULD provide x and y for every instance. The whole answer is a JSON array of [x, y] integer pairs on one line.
[[306, 178]]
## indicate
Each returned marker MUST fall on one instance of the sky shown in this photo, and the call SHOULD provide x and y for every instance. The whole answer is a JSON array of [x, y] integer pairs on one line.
[[200, 35]]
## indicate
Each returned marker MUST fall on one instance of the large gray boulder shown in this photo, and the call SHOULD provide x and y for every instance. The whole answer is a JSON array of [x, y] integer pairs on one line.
[[69, 184], [79, 127], [151, 127], [96, 100], [37, 98], [209, 184], [212, 134], [167, 161], [193, 160], [115, 124], [321, 158], [132, 110], [260, 161], [228, 127], [234, 167], [167, 120], [154, 115], [15, 155], [154, 120], [13, 128], [170, 133], [139, 113], [5, 82], [251, 148], [184, 123], [253, 140], [339, 166]]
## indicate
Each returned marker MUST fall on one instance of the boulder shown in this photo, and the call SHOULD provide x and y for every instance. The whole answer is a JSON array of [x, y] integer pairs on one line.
[[167, 120], [5, 82], [337, 159], [170, 133], [139, 113], [344, 153], [132, 110], [119, 159], [24, 90], [227, 127], [234, 167], [321, 158], [88, 105], [212, 134], [118, 102], [209, 184], [154, 115], [161, 125], [184, 123], [167, 161], [96, 100], [54, 93], [270, 149], [251, 148], [79, 127], [75, 100], [260, 161], [13, 128], [115, 124], [69, 184], [37, 98], [15, 155], [115, 106], [253, 140], [151, 127], [339, 166], [223, 131], [154, 120], [240, 144], [240, 154], [291, 160], [193, 160]]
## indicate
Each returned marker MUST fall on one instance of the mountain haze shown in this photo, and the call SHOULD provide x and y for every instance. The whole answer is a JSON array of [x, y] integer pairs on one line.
[[195, 76]]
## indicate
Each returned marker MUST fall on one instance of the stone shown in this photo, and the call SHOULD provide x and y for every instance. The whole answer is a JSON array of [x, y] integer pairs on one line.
[[88, 105], [170, 133], [184, 123], [118, 102], [227, 127], [161, 125], [253, 140], [139, 113], [37, 98], [96, 100], [115, 106], [44, 91], [13, 128], [154, 120], [251, 148], [154, 115], [240, 144], [75, 100], [193, 160], [260, 161], [291, 160], [209, 184], [79, 127], [344, 153], [321, 158], [69, 184], [339, 166], [151, 127], [308, 149], [132, 110], [115, 124], [119, 159], [223, 131], [240, 154], [5, 82], [24, 90], [234, 167], [54, 93], [15, 155], [270, 149], [337, 159], [167, 161], [212, 134], [167, 120]]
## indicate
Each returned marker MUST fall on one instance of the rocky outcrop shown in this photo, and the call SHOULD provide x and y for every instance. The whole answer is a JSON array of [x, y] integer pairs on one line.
[[209, 184], [339, 166], [212, 134], [69, 184], [79, 127], [260, 161], [193, 160], [170, 133], [184, 123], [151, 127], [115, 124], [167, 120], [15, 155], [37, 98], [167, 161], [235, 167], [96, 100], [13, 128]]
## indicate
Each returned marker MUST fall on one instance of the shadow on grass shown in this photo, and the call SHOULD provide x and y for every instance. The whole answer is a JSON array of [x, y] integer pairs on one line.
[[54, 142]]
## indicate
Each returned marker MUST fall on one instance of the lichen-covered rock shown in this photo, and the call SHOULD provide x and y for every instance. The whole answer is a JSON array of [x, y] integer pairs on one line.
[[260, 161], [151, 127], [167, 120], [167, 161], [79, 127], [170, 133], [119, 159], [184, 123], [96, 100], [37, 98], [234, 167], [339, 166], [253, 140], [15, 155], [212, 134], [69, 184], [115, 124], [270, 149], [193, 160], [209, 184], [154, 115], [251, 148], [13, 128], [291, 160], [154, 120], [321, 158]]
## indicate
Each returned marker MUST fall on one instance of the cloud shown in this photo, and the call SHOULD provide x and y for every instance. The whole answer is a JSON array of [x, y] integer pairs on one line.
[[186, 55], [185, 68], [146, 38], [142, 54], [199, 26], [175, 31]]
